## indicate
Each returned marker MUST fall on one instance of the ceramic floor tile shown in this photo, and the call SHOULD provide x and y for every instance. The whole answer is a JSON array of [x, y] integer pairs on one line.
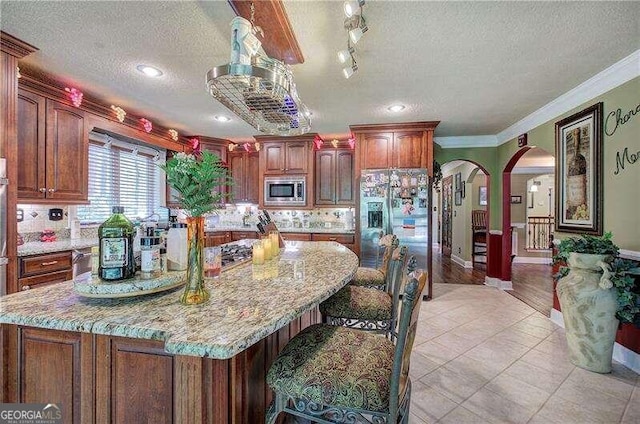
[[618, 383], [561, 411], [436, 352], [531, 329], [456, 385], [462, 415], [548, 362], [518, 391], [496, 409], [514, 335], [536, 376], [427, 404], [632, 413], [538, 320], [499, 353], [420, 366], [457, 344], [553, 348], [591, 399], [414, 420], [466, 365]]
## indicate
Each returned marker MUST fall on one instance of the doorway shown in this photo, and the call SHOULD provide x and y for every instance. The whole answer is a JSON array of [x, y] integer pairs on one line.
[[447, 216]]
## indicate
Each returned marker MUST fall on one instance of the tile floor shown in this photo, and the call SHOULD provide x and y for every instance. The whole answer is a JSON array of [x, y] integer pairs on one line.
[[483, 356]]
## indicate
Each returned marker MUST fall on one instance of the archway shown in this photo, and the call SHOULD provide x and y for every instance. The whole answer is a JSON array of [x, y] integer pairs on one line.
[[528, 225], [465, 178]]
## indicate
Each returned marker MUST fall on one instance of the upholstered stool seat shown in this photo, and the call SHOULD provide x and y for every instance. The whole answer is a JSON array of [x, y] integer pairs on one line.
[[368, 277], [337, 366], [376, 277], [360, 303]]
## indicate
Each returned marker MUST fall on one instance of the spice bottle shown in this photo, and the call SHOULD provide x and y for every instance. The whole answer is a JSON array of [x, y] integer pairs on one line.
[[150, 266]]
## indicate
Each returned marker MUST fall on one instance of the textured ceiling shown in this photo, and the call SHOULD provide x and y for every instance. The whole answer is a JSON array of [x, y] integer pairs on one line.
[[476, 66]]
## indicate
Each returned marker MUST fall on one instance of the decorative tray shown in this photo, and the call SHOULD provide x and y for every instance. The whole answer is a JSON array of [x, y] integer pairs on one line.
[[88, 285]]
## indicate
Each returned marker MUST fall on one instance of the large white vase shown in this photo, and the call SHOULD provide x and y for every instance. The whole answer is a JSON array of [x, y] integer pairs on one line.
[[589, 307]]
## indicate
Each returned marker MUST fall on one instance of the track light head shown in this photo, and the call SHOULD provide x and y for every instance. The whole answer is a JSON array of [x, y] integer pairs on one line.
[[356, 34], [352, 6], [344, 55], [350, 70]]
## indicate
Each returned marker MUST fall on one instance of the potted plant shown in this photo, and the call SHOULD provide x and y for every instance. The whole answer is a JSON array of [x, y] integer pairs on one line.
[[596, 292], [195, 176]]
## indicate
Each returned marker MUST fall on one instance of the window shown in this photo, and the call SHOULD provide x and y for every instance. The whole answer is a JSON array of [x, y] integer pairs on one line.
[[124, 174]]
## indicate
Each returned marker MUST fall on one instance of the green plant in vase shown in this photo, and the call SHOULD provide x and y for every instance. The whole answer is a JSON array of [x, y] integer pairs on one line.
[[196, 177], [597, 291]]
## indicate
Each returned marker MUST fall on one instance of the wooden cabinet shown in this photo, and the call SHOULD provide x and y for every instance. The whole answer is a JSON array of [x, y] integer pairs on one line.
[[53, 148], [282, 157], [402, 145], [296, 236], [241, 235], [41, 270], [347, 240], [217, 238], [334, 178], [245, 172]]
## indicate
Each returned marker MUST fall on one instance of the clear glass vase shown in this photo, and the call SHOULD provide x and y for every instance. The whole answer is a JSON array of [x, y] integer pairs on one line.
[[194, 290]]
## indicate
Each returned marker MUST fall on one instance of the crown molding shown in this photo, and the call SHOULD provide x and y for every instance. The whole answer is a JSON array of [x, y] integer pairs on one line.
[[612, 77], [14, 46], [466, 141], [397, 126]]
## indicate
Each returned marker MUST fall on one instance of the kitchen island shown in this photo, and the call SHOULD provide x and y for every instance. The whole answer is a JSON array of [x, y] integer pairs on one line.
[[151, 359]]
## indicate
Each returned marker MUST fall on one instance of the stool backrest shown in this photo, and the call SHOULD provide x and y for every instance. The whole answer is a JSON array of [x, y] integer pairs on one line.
[[391, 244], [411, 302], [394, 281]]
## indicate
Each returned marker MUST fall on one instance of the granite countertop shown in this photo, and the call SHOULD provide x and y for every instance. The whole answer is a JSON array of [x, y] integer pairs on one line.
[[38, 247], [283, 230], [247, 304]]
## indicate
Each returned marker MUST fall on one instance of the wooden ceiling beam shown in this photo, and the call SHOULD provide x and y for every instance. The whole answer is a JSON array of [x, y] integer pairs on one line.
[[279, 40]]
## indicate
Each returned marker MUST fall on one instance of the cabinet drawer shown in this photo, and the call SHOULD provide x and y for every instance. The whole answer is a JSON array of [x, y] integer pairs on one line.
[[240, 235], [43, 264], [340, 238], [296, 236], [45, 279], [217, 238]]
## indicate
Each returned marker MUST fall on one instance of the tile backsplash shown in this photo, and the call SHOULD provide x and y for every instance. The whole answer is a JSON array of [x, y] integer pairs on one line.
[[36, 219]]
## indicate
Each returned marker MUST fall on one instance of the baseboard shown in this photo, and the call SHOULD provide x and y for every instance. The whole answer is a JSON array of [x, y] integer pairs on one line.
[[630, 254], [498, 283], [462, 262], [625, 356], [531, 260]]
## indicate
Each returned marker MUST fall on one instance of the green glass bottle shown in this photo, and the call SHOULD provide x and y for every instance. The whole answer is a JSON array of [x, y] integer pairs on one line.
[[116, 247]]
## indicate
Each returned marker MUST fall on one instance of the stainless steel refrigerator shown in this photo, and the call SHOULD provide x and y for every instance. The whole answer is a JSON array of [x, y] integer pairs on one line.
[[394, 201], [3, 227]]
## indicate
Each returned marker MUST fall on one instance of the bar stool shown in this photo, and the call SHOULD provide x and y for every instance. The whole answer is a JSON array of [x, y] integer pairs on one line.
[[368, 308], [332, 374], [375, 277]]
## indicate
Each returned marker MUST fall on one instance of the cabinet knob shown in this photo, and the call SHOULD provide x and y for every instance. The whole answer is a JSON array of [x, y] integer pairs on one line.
[[51, 190], [25, 288], [42, 190]]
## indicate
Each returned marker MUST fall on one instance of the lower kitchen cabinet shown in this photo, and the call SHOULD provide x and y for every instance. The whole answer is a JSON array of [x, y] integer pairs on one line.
[[217, 238], [241, 235], [40, 270], [296, 236], [347, 240]]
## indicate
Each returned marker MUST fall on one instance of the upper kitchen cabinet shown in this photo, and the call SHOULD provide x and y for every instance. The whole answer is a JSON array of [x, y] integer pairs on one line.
[[285, 155], [334, 177], [53, 143], [245, 173], [402, 145]]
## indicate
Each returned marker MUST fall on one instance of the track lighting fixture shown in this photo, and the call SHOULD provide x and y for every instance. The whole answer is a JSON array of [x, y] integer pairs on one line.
[[356, 34], [344, 55], [350, 70], [352, 6]]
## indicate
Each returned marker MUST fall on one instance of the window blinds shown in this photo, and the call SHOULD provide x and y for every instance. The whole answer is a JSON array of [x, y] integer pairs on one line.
[[123, 174]]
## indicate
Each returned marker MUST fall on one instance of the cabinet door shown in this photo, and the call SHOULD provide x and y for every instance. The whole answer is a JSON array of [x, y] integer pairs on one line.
[[252, 177], [297, 158], [376, 150], [325, 177], [237, 169], [67, 149], [172, 193], [31, 146], [274, 155], [409, 150], [345, 193], [221, 152]]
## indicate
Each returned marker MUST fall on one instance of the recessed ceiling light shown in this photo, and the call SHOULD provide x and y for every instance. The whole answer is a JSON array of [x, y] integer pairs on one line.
[[222, 118], [396, 108], [149, 71]]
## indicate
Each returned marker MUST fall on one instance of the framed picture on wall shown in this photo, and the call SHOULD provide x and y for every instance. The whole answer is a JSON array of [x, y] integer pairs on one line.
[[482, 195], [578, 184], [516, 199], [458, 198], [458, 182]]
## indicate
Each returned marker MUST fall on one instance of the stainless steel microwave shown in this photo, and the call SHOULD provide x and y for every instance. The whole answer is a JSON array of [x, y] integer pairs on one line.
[[285, 191]]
